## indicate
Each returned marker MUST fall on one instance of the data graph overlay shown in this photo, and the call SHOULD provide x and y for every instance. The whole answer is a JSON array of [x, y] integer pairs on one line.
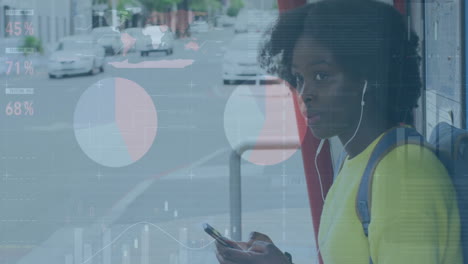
[[262, 115], [115, 122]]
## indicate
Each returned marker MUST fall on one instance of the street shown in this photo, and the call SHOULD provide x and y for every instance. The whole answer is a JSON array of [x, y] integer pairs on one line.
[[56, 196]]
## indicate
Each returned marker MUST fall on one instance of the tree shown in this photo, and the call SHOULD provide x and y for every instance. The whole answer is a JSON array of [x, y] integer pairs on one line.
[[205, 5], [122, 12], [122, 3], [159, 5], [235, 7]]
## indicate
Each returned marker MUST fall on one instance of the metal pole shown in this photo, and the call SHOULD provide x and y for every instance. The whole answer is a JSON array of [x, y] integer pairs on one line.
[[235, 195], [114, 14], [235, 188]]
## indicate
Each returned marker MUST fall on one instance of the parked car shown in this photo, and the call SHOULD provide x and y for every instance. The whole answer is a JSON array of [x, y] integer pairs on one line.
[[242, 23], [155, 39], [199, 26], [108, 38], [137, 34], [254, 21], [226, 21], [76, 55], [240, 60]]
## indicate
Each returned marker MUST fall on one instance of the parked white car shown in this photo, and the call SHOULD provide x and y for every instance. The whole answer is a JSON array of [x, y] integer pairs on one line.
[[155, 39], [76, 55], [240, 60], [109, 38], [226, 21], [254, 21], [199, 26], [242, 24], [137, 35]]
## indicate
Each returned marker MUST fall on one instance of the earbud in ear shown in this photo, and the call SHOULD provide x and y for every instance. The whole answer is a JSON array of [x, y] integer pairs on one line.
[[364, 89], [363, 93]]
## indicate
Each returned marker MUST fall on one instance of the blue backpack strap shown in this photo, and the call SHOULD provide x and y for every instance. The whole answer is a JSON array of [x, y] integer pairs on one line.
[[392, 139]]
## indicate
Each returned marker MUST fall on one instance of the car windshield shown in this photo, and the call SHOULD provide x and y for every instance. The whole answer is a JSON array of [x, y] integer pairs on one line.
[[105, 33], [248, 42], [75, 45], [105, 30], [134, 31]]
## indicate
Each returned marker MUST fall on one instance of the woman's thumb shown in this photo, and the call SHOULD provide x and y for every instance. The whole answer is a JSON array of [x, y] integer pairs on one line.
[[256, 236]]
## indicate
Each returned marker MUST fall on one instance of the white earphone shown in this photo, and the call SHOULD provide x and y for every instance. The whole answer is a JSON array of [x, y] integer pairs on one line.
[[319, 148]]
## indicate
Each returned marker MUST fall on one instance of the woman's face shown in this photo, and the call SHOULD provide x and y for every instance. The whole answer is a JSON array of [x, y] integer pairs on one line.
[[331, 99]]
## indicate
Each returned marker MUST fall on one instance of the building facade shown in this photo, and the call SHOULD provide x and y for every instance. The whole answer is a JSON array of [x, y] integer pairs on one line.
[[48, 20]]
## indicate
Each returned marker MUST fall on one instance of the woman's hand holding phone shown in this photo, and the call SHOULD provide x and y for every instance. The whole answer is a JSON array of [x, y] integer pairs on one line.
[[258, 250]]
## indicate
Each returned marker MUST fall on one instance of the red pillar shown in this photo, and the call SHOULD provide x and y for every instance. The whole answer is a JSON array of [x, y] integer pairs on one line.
[[400, 5], [309, 147], [284, 5]]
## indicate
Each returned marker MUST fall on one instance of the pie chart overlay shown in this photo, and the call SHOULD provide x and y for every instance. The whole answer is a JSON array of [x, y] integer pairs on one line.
[[115, 122], [259, 114]]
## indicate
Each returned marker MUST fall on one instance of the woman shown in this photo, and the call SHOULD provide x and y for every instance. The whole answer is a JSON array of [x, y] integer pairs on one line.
[[356, 69]]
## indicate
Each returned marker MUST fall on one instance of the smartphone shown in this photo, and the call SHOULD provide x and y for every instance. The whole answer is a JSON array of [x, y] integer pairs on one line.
[[216, 235]]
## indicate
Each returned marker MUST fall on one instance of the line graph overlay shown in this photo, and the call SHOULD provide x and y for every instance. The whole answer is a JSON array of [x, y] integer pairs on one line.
[[149, 224]]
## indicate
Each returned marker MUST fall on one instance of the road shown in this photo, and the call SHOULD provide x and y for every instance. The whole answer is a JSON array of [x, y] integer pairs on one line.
[[51, 189], [259, 4]]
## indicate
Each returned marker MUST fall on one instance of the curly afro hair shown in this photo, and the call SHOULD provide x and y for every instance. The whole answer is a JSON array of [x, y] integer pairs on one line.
[[369, 39]]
